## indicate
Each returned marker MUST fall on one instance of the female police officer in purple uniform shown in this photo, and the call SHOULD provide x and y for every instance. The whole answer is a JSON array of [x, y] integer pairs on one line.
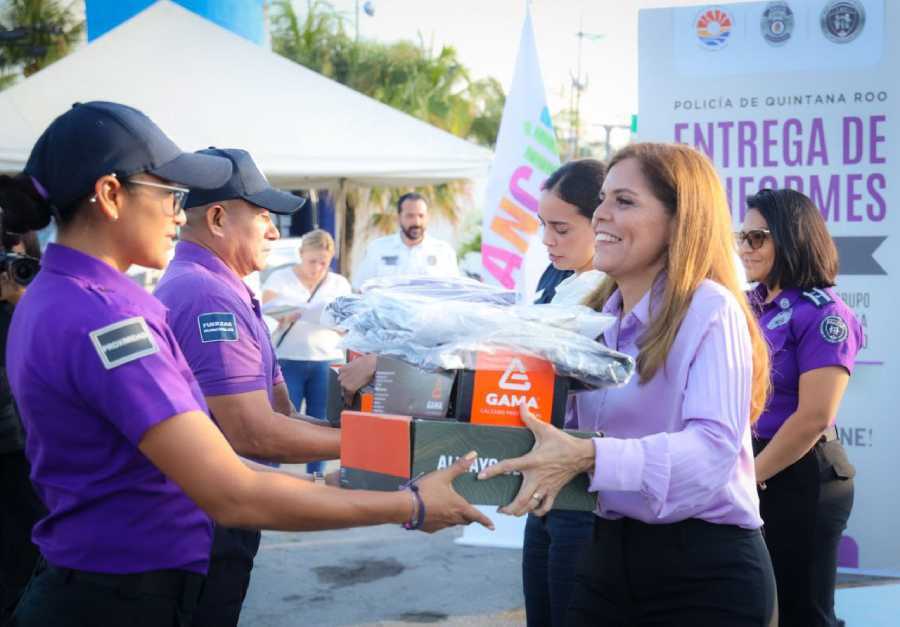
[[806, 486], [122, 451]]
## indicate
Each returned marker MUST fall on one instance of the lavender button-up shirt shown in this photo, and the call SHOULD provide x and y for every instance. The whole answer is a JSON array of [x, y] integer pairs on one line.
[[677, 446]]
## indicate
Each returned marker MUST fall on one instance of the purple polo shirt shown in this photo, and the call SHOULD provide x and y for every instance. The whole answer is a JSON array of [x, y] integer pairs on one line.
[[218, 323], [93, 366], [677, 446], [805, 331]]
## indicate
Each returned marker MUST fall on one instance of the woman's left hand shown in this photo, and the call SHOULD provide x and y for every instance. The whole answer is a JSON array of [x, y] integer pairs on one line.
[[553, 461]]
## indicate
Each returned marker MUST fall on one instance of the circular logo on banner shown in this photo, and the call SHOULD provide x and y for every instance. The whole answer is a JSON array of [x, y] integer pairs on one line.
[[777, 23], [833, 329], [713, 27], [843, 20]]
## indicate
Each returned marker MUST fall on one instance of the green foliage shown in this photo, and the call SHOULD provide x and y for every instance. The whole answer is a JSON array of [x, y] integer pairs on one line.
[[471, 246], [53, 30], [406, 75]]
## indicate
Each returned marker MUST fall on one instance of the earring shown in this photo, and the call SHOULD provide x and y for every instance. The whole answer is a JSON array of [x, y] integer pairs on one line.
[[94, 198]]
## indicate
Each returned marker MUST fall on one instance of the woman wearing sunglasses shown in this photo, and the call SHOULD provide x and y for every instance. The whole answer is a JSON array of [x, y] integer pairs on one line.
[[805, 480], [122, 450]]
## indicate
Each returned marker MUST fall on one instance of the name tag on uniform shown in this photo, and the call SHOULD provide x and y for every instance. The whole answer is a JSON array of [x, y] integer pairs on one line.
[[122, 342], [217, 327], [780, 319], [432, 260], [389, 260]]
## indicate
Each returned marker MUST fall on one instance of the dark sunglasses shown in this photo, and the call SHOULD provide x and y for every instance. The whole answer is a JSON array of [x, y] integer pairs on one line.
[[754, 238]]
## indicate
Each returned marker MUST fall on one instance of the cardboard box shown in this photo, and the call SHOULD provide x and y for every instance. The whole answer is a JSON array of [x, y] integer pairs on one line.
[[490, 394], [381, 452]]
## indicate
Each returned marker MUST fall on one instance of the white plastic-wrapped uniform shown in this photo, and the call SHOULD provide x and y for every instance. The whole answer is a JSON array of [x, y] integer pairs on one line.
[[425, 327]]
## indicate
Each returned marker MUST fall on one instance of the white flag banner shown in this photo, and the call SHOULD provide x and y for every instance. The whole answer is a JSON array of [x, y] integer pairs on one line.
[[526, 154]]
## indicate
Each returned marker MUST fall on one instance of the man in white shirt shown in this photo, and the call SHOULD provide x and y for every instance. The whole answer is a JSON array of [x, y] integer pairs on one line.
[[409, 252]]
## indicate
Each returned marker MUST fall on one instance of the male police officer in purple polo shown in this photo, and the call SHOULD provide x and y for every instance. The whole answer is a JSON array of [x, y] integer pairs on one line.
[[219, 327]]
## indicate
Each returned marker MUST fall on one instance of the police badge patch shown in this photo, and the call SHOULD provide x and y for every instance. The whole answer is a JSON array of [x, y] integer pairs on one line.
[[777, 23], [843, 20], [122, 342], [833, 329], [218, 326]]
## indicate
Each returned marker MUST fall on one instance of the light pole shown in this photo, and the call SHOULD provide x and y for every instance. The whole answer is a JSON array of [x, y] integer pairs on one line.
[[369, 8], [579, 84]]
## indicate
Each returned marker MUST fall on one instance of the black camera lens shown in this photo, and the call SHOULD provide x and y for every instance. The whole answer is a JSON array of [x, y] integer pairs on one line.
[[21, 268]]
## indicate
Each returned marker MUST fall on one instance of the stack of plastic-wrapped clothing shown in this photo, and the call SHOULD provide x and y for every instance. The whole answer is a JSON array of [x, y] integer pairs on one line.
[[443, 323]]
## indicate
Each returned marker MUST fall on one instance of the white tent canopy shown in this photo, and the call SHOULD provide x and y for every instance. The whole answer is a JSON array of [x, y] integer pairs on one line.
[[206, 86]]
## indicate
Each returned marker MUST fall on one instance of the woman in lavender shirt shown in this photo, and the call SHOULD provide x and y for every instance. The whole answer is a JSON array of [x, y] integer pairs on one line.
[[677, 537]]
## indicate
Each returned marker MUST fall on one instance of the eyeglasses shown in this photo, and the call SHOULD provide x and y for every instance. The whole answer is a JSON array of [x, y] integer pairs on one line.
[[755, 238], [178, 194]]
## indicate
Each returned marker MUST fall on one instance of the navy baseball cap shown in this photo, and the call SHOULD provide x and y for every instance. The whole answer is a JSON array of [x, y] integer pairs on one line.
[[247, 183], [94, 139]]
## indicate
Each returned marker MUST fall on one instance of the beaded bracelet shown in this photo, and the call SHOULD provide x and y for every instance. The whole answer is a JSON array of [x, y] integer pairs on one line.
[[418, 516]]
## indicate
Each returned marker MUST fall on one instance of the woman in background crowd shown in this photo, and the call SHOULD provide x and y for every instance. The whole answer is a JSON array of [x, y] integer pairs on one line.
[[304, 347], [677, 537], [806, 481], [555, 541]]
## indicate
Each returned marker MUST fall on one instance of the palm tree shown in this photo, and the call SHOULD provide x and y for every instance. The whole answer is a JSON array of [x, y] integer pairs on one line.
[[406, 75], [49, 32]]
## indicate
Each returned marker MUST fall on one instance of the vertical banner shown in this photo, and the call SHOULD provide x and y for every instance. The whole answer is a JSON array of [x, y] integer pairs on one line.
[[526, 154], [805, 95]]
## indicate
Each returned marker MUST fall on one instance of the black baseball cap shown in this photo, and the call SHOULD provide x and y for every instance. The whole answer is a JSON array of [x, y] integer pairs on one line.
[[247, 183], [93, 139]]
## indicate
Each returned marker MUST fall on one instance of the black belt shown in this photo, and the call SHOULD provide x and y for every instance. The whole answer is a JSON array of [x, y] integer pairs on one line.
[[830, 435], [173, 584]]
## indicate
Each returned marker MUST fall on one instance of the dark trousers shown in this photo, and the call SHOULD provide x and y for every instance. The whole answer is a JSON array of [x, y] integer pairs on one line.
[[307, 381], [64, 598], [228, 578], [691, 573], [20, 509], [553, 545], [805, 509]]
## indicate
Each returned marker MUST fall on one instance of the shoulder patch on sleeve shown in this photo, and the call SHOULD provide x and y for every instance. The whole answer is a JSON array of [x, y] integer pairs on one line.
[[122, 342], [833, 329], [219, 326], [818, 297]]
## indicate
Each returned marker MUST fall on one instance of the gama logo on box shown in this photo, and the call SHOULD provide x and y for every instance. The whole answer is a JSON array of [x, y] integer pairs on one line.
[[713, 27], [503, 381], [514, 379]]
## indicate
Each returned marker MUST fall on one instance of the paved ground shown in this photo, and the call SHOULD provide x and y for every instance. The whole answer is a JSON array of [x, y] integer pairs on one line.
[[388, 576], [381, 576]]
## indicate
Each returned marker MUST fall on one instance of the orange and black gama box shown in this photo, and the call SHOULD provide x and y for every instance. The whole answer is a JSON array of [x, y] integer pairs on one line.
[[382, 451], [490, 394]]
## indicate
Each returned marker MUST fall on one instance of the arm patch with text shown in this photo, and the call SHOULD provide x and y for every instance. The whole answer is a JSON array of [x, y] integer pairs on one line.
[[218, 327], [122, 342]]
